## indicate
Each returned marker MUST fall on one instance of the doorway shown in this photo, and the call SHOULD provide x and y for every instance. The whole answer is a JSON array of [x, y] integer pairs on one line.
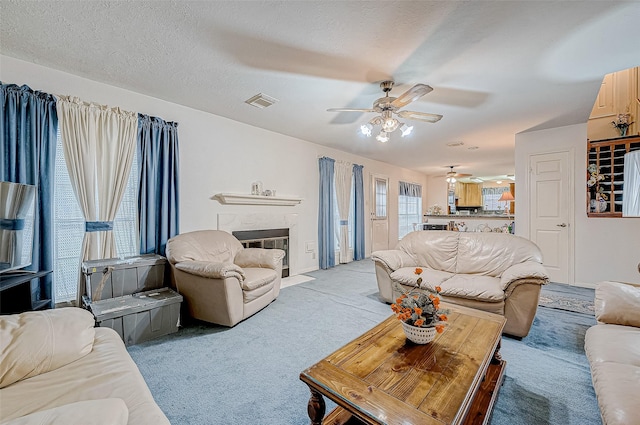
[[551, 205], [379, 213]]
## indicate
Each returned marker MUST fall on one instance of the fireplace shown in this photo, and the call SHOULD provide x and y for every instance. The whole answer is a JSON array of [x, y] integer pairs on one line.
[[268, 239]]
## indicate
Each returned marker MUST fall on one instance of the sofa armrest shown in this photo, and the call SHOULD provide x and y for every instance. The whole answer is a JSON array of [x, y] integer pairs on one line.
[[37, 342], [259, 257], [393, 259], [617, 303], [211, 270], [525, 270]]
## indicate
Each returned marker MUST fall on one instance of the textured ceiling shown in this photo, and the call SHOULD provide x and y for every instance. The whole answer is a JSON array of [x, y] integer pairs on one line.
[[498, 68]]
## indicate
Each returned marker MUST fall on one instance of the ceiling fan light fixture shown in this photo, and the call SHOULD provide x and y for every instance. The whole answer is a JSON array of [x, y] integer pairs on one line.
[[451, 179], [366, 129], [383, 137], [406, 129]]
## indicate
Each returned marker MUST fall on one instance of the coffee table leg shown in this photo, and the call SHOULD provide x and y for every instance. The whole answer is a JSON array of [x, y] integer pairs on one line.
[[316, 407], [497, 357]]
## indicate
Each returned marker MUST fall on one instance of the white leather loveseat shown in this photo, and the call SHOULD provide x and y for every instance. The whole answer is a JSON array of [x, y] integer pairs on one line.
[[57, 369], [495, 272], [221, 281], [613, 350]]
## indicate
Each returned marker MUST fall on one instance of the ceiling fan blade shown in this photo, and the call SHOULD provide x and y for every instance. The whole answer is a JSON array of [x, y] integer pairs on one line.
[[349, 110], [414, 93], [420, 116]]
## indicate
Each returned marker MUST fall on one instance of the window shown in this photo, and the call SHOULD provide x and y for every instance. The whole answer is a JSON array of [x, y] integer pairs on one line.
[[409, 207], [68, 227], [491, 196], [381, 198]]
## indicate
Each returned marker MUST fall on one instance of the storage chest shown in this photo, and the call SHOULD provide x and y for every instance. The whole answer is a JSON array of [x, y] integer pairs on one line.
[[139, 317]]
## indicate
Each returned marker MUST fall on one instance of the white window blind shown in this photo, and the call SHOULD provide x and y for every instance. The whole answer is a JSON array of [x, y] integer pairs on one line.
[[409, 207]]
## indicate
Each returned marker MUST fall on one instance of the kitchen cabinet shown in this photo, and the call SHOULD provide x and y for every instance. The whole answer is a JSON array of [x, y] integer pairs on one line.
[[469, 194]]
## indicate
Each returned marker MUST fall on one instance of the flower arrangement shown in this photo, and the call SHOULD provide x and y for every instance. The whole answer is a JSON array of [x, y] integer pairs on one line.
[[622, 123], [594, 178], [420, 307]]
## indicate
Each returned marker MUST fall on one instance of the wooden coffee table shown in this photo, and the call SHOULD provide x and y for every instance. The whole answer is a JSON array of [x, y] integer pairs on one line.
[[382, 378]]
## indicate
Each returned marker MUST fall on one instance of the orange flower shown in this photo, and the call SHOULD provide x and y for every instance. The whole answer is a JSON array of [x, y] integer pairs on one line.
[[418, 311], [418, 270], [419, 322], [443, 317], [395, 308], [432, 297], [438, 289], [400, 298], [436, 303], [439, 328]]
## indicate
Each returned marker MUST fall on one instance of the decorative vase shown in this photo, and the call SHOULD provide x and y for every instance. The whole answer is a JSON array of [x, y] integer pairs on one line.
[[417, 334], [623, 131]]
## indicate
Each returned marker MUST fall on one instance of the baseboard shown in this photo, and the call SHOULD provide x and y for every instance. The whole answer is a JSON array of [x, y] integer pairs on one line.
[[307, 270]]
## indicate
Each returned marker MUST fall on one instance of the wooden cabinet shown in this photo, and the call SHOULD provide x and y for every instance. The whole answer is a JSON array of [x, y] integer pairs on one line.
[[607, 157], [469, 194]]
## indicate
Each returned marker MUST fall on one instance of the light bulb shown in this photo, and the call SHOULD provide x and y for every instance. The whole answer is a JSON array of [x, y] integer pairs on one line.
[[451, 179], [366, 129], [390, 125], [406, 129], [382, 137]]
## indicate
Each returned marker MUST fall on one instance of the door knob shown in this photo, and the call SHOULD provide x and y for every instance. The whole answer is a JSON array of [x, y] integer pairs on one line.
[[562, 225]]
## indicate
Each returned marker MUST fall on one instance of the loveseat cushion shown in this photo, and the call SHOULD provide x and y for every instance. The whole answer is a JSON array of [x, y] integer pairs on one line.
[[203, 245], [108, 411], [613, 343], [617, 303], [492, 253], [616, 386], [434, 249], [473, 287], [257, 277], [430, 278], [37, 342], [106, 372]]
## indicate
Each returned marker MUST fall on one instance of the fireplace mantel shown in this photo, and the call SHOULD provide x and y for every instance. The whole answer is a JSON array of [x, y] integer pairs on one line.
[[241, 199]]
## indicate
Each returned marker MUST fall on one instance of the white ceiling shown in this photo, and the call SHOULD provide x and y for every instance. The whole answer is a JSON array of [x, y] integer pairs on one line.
[[497, 67]]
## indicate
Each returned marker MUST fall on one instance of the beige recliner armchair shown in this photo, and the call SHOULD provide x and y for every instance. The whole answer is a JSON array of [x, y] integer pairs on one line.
[[221, 281]]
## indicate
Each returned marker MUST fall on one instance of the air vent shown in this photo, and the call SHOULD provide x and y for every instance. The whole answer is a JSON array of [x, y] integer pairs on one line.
[[261, 101], [454, 144], [473, 148]]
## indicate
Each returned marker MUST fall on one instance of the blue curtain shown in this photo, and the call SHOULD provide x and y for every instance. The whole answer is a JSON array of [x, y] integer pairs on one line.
[[358, 228], [158, 192], [29, 127], [326, 245]]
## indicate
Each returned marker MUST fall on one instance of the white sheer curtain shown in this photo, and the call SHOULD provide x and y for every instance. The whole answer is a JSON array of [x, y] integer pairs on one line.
[[343, 173], [99, 145], [631, 185]]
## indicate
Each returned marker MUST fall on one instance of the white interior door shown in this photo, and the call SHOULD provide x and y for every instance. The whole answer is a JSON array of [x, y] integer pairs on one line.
[[379, 212], [551, 212]]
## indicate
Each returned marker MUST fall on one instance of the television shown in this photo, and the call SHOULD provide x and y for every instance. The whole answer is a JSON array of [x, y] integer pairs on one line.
[[16, 225]]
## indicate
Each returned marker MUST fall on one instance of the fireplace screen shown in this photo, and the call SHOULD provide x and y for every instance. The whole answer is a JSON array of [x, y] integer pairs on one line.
[[268, 239]]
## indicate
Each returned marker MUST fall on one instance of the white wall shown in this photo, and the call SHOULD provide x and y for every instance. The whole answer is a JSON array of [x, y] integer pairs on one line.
[[604, 248], [221, 155]]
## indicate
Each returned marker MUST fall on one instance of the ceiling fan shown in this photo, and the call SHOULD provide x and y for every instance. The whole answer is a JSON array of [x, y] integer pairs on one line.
[[451, 175], [388, 106]]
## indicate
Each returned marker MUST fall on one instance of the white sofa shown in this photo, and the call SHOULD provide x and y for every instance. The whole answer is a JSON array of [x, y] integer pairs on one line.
[[613, 350], [495, 272], [57, 369]]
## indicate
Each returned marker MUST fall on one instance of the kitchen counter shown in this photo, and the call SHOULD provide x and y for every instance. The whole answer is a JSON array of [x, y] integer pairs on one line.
[[463, 217]]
